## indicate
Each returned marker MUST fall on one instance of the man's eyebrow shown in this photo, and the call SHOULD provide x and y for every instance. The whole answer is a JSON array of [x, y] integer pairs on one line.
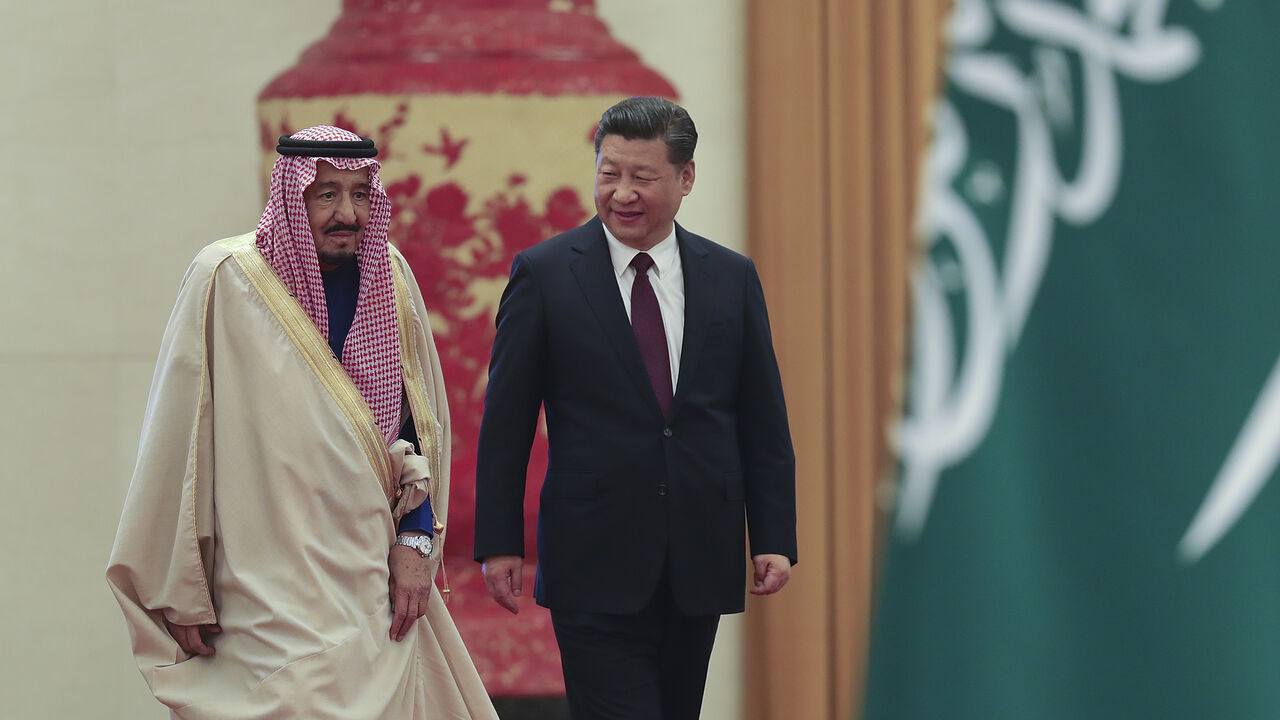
[[605, 160]]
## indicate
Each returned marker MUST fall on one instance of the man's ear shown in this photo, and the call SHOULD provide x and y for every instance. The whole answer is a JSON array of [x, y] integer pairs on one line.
[[686, 178]]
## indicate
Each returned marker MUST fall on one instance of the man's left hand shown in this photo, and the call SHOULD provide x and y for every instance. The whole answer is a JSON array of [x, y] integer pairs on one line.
[[772, 572], [411, 580]]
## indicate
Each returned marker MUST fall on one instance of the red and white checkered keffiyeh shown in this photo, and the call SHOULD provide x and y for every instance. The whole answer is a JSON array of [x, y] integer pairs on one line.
[[371, 354]]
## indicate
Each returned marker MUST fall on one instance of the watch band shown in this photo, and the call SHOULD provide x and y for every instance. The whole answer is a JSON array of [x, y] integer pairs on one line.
[[421, 543]]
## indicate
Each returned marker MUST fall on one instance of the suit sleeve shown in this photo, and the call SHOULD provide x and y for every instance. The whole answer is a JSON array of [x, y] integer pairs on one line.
[[768, 461], [419, 518], [511, 403]]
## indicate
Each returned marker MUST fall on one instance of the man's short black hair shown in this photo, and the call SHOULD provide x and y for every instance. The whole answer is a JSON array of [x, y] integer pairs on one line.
[[651, 118]]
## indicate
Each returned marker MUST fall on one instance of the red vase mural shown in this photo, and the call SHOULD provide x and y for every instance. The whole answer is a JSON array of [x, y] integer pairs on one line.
[[483, 111]]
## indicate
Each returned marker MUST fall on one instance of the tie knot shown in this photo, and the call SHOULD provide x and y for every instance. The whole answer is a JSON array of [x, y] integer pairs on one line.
[[642, 262]]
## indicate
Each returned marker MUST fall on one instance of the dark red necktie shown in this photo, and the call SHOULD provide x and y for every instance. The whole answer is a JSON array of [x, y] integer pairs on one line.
[[651, 336]]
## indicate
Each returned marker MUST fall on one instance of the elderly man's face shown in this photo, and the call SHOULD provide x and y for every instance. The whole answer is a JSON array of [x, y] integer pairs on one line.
[[338, 210], [638, 191]]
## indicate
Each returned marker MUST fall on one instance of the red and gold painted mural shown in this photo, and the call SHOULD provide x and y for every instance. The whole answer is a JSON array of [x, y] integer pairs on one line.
[[483, 111]]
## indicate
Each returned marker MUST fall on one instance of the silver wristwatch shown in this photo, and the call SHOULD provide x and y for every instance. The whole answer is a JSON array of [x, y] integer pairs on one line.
[[421, 543]]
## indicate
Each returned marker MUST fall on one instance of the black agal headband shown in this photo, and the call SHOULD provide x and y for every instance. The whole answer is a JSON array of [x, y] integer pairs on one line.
[[362, 148]]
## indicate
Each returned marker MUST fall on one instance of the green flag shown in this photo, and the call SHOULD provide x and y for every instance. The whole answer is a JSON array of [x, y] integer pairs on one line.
[[1087, 519]]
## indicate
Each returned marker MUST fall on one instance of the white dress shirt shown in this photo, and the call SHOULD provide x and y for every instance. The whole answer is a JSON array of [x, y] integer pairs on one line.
[[666, 275]]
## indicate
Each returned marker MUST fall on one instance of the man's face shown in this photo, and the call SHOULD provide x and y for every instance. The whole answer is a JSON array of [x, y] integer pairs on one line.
[[338, 210], [638, 191]]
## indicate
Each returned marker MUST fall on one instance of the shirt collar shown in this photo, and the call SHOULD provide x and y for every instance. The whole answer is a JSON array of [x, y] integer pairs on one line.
[[665, 254]]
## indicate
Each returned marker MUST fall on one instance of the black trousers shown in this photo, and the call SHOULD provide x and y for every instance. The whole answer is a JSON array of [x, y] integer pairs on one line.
[[648, 666]]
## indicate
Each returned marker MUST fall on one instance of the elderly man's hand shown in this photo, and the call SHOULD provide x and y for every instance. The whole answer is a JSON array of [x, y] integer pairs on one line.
[[411, 579], [502, 575], [772, 572], [193, 639]]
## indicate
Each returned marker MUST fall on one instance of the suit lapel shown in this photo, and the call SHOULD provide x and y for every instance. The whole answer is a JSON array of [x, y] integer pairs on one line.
[[593, 269], [698, 293]]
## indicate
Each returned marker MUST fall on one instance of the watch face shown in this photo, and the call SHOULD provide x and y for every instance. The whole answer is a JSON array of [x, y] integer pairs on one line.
[[420, 543]]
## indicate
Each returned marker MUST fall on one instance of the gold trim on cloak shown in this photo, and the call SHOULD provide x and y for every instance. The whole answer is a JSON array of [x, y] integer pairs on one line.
[[424, 418], [315, 349]]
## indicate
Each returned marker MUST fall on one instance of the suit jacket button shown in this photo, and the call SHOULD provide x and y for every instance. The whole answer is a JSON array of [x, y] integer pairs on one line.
[[662, 489], [666, 432]]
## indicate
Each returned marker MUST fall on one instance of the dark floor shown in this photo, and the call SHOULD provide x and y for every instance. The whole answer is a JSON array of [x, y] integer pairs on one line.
[[538, 708]]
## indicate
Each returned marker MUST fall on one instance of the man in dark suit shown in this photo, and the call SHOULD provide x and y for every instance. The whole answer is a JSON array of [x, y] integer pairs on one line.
[[650, 349]]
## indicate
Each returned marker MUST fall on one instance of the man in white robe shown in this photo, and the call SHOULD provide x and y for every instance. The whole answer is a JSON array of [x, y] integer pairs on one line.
[[263, 561]]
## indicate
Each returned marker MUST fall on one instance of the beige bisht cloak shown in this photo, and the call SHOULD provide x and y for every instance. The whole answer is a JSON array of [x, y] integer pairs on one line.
[[265, 500]]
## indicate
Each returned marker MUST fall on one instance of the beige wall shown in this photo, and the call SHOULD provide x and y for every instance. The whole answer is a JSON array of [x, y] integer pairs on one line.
[[129, 142]]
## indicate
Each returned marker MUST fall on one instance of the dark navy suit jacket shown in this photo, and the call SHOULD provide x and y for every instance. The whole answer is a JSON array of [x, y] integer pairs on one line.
[[628, 491]]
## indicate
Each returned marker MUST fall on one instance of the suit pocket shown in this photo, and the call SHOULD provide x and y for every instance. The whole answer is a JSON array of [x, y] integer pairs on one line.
[[733, 490], [571, 485]]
